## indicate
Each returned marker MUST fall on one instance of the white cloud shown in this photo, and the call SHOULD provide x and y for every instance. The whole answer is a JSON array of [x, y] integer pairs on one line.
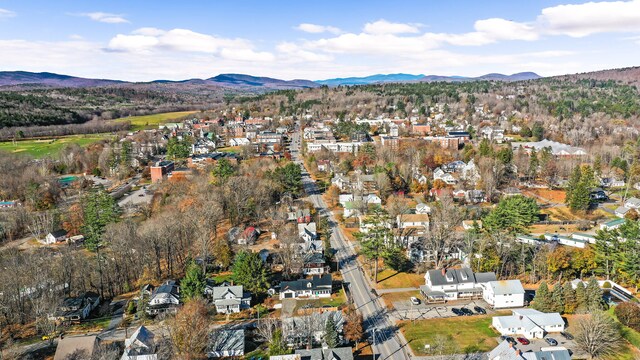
[[318, 29], [105, 17], [579, 20], [292, 52], [153, 40], [384, 27], [4, 13]]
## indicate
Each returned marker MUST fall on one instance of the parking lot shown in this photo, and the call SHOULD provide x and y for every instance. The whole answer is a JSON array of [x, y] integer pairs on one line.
[[537, 344], [404, 310]]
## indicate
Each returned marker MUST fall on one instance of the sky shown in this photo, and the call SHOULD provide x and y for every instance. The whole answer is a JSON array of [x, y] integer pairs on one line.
[[138, 40]]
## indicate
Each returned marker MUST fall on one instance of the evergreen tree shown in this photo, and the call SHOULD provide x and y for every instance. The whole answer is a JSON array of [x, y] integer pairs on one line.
[[194, 282], [250, 272], [569, 296], [505, 155], [594, 296], [533, 164], [277, 345], [485, 148], [373, 243], [537, 131], [222, 170], [597, 165], [581, 298], [177, 149], [572, 184], [331, 337], [513, 214], [100, 209], [542, 299], [557, 299]]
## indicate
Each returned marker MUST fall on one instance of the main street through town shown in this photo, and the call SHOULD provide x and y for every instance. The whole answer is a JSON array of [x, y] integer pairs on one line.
[[387, 341]]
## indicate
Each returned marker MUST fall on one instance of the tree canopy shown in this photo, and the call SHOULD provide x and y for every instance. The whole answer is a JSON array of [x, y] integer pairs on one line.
[[513, 214]]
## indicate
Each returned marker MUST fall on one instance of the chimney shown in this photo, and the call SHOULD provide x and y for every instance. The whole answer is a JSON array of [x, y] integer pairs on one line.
[[510, 345], [444, 271]]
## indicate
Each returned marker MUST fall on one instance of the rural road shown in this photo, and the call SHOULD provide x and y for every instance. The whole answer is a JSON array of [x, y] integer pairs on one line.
[[389, 343]]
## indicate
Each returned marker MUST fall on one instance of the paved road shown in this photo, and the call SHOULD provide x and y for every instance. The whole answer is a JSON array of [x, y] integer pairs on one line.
[[389, 343]]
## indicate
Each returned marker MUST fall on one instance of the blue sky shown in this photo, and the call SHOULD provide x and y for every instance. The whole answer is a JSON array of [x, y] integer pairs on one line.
[[142, 40]]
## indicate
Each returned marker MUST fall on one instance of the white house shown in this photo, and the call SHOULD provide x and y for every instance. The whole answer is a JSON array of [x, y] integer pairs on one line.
[[528, 323], [229, 299], [296, 330], [165, 298], [316, 287], [503, 294], [567, 241], [55, 237], [413, 220], [447, 178], [422, 208], [508, 351], [308, 232], [140, 346], [452, 284], [612, 224], [632, 203]]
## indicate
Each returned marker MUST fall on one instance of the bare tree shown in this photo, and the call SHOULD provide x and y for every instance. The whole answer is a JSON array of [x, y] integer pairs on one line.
[[445, 218], [598, 336], [41, 223]]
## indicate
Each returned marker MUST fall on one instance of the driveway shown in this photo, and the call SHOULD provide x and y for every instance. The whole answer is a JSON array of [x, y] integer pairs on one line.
[[404, 310]]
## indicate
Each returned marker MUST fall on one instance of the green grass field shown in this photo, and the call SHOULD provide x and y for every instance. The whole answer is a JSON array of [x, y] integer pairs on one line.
[[152, 121], [49, 147], [460, 334]]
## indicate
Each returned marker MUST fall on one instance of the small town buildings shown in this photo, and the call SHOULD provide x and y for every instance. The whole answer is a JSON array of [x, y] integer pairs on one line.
[[308, 232], [422, 208], [297, 330], [566, 240], [471, 224], [248, 236], [508, 351], [502, 294], [164, 299], [341, 182], [493, 133], [226, 343], [528, 323], [228, 299], [324, 165], [413, 220], [452, 284], [343, 353], [83, 345], [632, 203], [73, 309], [447, 178], [314, 264], [161, 170], [55, 237], [557, 149], [612, 224], [140, 346], [316, 287]]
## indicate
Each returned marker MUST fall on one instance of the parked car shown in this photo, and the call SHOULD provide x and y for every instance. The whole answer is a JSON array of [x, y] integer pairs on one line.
[[456, 311], [415, 300], [511, 340], [466, 311], [551, 341], [480, 310], [523, 341], [566, 335]]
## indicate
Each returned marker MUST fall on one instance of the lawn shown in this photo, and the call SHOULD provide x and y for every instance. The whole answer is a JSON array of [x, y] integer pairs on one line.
[[49, 147], [390, 298], [460, 334], [336, 300], [391, 279], [152, 121]]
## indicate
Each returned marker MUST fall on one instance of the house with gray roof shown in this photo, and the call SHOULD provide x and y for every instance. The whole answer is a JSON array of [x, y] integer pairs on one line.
[[502, 294], [298, 330], [452, 284], [140, 346], [508, 351], [228, 299], [226, 343], [316, 287], [343, 353], [632, 203], [165, 298], [528, 323]]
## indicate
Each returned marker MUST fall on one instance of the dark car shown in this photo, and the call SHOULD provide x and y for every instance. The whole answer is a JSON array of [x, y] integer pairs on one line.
[[523, 341], [466, 311], [480, 310], [511, 340], [566, 335], [457, 311], [551, 341]]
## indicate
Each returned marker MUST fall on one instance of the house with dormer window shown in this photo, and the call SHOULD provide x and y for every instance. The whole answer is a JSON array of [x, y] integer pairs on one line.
[[228, 299], [453, 284], [316, 287]]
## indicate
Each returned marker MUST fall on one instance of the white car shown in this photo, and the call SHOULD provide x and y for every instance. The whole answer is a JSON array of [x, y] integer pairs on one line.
[[415, 300]]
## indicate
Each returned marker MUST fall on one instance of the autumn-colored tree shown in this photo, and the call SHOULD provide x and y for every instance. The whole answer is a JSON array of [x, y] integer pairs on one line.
[[333, 195], [73, 220], [222, 252], [628, 314], [353, 329], [189, 331]]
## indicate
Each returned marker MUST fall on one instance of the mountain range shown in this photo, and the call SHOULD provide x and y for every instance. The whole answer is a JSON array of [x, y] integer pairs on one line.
[[242, 81]]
